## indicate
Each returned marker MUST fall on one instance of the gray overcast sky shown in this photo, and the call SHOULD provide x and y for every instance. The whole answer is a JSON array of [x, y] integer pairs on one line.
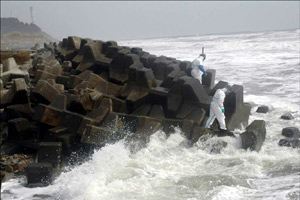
[[119, 20]]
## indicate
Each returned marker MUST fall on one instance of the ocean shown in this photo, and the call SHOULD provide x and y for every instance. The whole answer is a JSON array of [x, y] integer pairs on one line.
[[267, 64]]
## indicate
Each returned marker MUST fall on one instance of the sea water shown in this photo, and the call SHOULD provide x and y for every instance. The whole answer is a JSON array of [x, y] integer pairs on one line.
[[267, 64]]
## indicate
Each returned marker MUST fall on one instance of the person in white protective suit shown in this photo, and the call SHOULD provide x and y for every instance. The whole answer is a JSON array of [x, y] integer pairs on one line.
[[217, 109], [198, 68]]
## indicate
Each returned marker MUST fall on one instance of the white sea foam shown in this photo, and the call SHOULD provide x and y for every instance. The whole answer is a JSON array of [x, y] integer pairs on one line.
[[267, 64]]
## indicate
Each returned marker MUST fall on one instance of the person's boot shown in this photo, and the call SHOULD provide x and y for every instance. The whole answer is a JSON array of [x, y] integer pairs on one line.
[[225, 132]]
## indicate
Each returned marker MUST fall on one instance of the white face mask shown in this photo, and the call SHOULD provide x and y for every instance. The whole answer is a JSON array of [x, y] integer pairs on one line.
[[202, 58]]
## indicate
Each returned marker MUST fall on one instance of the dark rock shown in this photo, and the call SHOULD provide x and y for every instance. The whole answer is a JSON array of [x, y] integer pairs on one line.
[[44, 92], [290, 142], [64, 80], [173, 105], [157, 112], [159, 95], [18, 130], [197, 115], [145, 78], [219, 85], [185, 110], [39, 174], [262, 109], [144, 59], [235, 98], [291, 132], [287, 116], [150, 62], [68, 142], [254, 136], [185, 65], [90, 54], [97, 136], [135, 99], [159, 67], [209, 80], [143, 110], [50, 152], [108, 44], [193, 91], [239, 118], [53, 133], [198, 132], [173, 67]]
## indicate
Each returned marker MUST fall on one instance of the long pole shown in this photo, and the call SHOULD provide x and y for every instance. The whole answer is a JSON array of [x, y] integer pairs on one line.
[[31, 14]]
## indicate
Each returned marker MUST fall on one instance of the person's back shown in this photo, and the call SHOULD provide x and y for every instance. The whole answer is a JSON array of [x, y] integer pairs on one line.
[[197, 68]]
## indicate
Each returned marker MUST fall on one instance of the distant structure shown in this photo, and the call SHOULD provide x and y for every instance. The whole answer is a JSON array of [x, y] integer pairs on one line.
[[31, 14]]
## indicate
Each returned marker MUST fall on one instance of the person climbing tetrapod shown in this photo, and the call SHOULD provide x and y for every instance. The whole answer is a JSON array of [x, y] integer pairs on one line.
[[217, 108], [198, 68]]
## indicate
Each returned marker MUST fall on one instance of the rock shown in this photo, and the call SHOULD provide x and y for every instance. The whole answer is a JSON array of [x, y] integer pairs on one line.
[[108, 44], [135, 99], [254, 136], [67, 66], [63, 80], [287, 116], [68, 142], [145, 78], [262, 109], [236, 111], [97, 136], [290, 142], [198, 132], [9, 64], [173, 104], [235, 98], [159, 95], [157, 112], [169, 126], [15, 163], [50, 152], [143, 110], [291, 132], [17, 94], [193, 91], [108, 88], [39, 174], [185, 110], [72, 48], [239, 118], [18, 130], [132, 73], [44, 92], [209, 80], [53, 133], [51, 114], [90, 54], [197, 115], [159, 67], [219, 85], [185, 65]]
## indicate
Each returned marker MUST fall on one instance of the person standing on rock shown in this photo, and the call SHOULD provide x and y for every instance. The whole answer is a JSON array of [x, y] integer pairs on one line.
[[198, 68], [217, 109]]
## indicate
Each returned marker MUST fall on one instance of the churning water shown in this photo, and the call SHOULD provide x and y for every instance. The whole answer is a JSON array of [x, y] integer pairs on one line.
[[267, 65]]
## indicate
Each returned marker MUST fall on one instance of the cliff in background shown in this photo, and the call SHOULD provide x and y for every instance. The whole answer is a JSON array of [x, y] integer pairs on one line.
[[18, 35]]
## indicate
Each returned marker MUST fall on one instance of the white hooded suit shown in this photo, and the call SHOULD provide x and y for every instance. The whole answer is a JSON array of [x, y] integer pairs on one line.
[[217, 109], [196, 72]]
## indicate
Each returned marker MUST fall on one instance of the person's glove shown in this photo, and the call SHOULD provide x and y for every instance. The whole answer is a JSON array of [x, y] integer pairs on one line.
[[223, 110]]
